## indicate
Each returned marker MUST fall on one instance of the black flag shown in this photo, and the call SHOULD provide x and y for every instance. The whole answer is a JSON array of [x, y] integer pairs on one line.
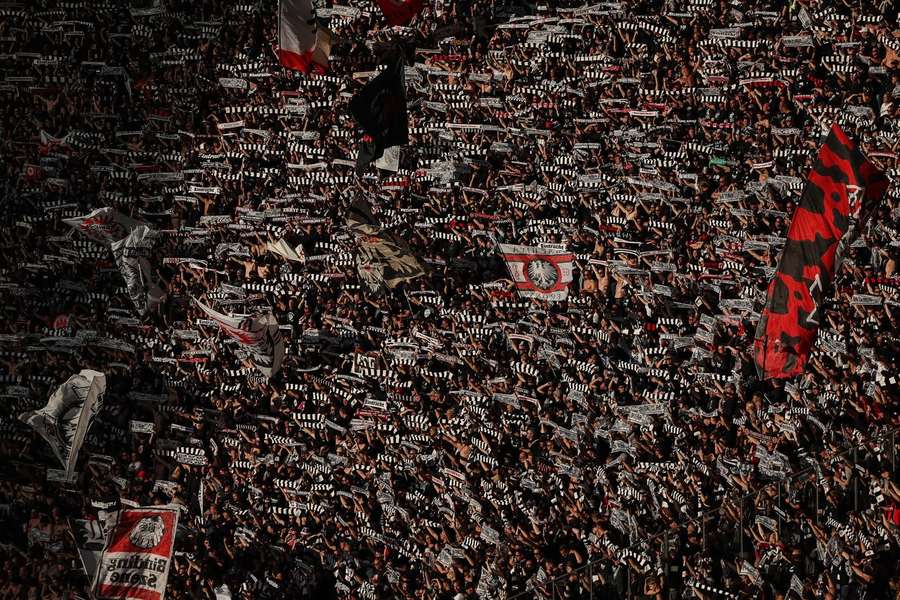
[[380, 109]]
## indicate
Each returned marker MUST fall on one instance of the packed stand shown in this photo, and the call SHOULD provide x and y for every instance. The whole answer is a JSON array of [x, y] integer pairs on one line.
[[445, 438]]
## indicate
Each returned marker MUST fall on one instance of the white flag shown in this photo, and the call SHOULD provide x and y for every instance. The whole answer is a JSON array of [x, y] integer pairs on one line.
[[135, 563], [68, 415], [49, 142], [283, 248], [258, 334], [302, 44], [132, 256], [222, 592], [390, 160], [105, 225], [539, 272]]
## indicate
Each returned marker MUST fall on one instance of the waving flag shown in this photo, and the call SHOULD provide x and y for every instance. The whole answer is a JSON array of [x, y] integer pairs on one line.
[[539, 272], [287, 250], [303, 45], [65, 420], [380, 109], [136, 561], [50, 143], [400, 12], [258, 334], [383, 259], [105, 225], [132, 256], [790, 320]]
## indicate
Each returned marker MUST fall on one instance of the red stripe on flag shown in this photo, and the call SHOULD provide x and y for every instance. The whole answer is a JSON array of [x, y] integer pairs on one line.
[[530, 287], [124, 591], [554, 258], [300, 62]]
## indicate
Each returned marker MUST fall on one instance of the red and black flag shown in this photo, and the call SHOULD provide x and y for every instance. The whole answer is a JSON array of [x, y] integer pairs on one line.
[[380, 109], [400, 12], [787, 328]]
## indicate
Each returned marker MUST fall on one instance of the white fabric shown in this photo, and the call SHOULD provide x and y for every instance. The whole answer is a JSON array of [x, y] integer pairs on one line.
[[65, 420]]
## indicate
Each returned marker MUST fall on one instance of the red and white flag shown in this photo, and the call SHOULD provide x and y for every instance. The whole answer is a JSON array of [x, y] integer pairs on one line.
[[50, 143], [258, 334], [302, 44], [400, 12], [105, 225], [539, 272], [33, 173], [135, 563]]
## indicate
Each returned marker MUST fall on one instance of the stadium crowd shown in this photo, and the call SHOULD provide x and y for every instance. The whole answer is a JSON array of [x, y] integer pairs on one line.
[[444, 438]]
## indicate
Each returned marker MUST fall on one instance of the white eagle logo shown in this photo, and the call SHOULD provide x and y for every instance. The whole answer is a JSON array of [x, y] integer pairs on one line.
[[542, 273], [148, 532]]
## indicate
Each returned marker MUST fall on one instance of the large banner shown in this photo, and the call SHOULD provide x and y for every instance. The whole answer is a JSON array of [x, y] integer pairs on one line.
[[105, 225], [539, 272], [790, 320], [65, 420], [135, 564], [257, 334], [132, 256]]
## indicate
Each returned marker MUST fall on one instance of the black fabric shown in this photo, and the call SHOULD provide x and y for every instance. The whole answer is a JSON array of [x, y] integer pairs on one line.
[[380, 109]]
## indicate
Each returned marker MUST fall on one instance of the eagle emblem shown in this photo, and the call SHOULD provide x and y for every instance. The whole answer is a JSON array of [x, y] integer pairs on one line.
[[543, 274], [148, 532]]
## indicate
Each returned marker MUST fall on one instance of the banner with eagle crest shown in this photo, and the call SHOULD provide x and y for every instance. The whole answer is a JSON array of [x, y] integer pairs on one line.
[[136, 560], [539, 272], [383, 259]]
